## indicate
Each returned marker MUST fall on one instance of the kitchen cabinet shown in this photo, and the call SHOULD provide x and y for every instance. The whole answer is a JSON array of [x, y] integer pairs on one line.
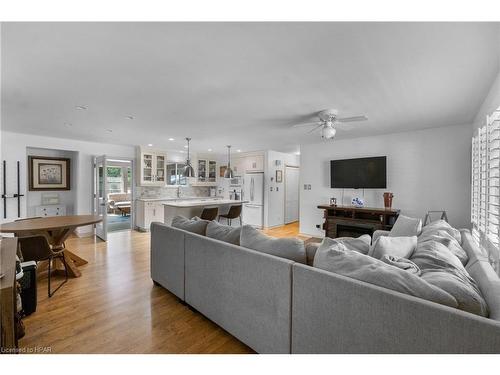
[[251, 163], [152, 168], [147, 212], [207, 170]]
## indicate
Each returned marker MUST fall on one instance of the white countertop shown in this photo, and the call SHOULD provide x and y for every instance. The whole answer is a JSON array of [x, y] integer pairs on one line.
[[173, 199], [203, 202]]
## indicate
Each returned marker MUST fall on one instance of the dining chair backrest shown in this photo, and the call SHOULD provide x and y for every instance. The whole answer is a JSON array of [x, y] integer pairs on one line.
[[35, 248]]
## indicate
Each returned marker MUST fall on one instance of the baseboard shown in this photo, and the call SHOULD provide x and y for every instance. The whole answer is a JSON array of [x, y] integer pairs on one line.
[[86, 231]]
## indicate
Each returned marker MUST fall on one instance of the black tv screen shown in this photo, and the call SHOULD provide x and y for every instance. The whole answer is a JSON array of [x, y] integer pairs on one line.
[[362, 173]]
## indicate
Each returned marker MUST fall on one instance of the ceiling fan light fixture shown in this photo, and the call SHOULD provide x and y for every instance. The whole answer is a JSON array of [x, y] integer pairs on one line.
[[328, 131]]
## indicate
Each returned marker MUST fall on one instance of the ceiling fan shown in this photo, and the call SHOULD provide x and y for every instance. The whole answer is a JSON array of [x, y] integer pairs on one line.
[[328, 121]]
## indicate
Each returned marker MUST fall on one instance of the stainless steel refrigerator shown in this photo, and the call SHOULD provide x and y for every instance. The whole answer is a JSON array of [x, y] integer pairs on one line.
[[253, 192]]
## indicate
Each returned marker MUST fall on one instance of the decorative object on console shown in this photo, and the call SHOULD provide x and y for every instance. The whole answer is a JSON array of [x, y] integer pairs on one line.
[[229, 172], [279, 175], [388, 200], [49, 173], [358, 202], [333, 201], [188, 169]]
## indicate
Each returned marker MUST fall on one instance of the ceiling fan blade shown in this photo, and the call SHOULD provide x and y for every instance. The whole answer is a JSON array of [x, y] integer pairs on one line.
[[306, 124], [352, 119], [314, 129]]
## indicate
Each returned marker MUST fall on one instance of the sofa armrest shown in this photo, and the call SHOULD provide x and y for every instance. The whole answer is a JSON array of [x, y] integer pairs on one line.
[[311, 249], [379, 233]]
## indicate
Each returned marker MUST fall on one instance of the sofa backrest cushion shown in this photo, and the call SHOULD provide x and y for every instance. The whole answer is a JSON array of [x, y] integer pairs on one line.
[[224, 232], [461, 286], [340, 260], [444, 237], [442, 225], [191, 225], [360, 244], [435, 255], [401, 247], [289, 248], [406, 226]]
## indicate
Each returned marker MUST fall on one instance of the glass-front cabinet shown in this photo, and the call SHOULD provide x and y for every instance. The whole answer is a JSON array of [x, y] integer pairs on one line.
[[207, 170], [152, 168]]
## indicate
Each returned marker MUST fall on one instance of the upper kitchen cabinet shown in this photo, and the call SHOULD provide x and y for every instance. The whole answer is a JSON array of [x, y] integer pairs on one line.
[[206, 173], [152, 165], [248, 163]]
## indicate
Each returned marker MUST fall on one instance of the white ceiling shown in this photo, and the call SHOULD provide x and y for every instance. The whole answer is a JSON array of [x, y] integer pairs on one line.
[[240, 83]]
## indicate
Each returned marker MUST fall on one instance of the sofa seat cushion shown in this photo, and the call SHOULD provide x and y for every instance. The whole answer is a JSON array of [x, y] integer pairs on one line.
[[444, 237], [406, 226], [197, 226], [401, 247], [224, 232], [461, 286], [435, 255], [288, 248], [338, 259]]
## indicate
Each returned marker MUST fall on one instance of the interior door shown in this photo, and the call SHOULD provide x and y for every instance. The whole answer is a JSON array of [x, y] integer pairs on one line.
[[101, 196], [291, 194]]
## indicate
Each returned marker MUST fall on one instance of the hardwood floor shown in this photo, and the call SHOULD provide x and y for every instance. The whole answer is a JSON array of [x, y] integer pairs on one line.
[[115, 308]]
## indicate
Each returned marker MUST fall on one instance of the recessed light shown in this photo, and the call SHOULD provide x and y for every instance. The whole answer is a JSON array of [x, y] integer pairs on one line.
[[109, 130], [129, 117], [209, 150], [171, 139], [81, 107], [150, 144], [238, 150]]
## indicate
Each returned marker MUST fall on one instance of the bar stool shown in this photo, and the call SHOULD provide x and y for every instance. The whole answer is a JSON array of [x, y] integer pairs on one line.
[[233, 213], [209, 213]]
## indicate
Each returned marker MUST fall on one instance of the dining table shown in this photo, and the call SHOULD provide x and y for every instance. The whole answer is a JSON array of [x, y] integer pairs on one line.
[[56, 229]]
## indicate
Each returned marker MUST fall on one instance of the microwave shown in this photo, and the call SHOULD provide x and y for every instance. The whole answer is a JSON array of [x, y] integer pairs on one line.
[[236, 181]]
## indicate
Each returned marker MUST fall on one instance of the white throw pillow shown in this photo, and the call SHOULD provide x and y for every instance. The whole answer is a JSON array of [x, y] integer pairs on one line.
[[401, 247], [406, 226]]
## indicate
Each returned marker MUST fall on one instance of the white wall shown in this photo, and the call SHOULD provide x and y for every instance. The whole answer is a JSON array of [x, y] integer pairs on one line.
[[490, 103], [274, 201], [66, 197], [426, 170], [14, 147]]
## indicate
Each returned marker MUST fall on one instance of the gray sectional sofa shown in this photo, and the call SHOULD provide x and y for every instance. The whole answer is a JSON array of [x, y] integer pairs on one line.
[[275, 305]]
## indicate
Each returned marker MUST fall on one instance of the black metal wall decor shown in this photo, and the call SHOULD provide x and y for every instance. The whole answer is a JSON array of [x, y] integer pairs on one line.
[[17, 195]]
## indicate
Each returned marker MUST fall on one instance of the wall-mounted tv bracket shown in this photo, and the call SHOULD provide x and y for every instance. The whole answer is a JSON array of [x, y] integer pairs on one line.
[[18, 195]]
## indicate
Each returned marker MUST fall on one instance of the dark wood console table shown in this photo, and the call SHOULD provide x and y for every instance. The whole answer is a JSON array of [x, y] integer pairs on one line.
[[350, 221]]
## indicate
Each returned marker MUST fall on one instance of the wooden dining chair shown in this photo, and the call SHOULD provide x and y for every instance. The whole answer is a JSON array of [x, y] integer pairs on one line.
[[37, 248], [209, 213], [233, 213]]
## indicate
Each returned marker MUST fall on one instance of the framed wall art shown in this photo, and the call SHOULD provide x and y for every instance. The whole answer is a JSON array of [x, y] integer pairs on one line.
[[49, 173]]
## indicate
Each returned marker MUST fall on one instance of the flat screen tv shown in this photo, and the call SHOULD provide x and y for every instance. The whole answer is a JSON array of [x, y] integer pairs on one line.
[[361, 173]]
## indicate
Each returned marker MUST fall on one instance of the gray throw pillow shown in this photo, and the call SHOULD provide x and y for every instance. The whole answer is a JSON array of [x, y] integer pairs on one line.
[[360, 244], [442, 225], [289, 248], [224, 232], [406, 226], [191, 225], [461, 286], [338, 259]]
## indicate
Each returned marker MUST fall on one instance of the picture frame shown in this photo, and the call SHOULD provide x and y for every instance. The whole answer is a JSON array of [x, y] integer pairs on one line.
[[49, 173], [279, 175]]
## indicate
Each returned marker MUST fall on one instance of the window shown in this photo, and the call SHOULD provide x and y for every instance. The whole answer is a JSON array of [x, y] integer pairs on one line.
[[485, 187], [175, 175], [119, 179]]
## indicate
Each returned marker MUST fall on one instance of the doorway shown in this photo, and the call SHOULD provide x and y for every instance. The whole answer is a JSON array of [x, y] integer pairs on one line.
[[113, 194], [291, 194]]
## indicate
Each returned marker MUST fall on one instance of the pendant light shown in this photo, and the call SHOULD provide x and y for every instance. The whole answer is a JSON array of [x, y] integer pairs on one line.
[[188, 169], [229, 171]]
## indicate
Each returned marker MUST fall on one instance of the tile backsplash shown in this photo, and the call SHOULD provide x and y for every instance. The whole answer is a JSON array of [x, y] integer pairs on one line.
[[170, 192]]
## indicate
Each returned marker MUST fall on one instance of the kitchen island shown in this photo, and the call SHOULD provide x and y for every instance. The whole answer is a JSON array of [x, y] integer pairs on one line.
[[193, 207]]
